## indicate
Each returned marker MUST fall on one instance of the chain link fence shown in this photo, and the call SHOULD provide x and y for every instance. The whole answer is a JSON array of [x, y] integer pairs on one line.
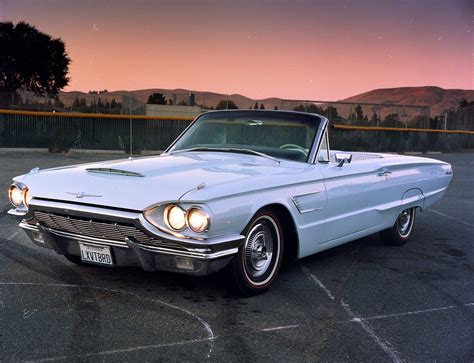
[[173, 104], [461, 118], [141, 122]]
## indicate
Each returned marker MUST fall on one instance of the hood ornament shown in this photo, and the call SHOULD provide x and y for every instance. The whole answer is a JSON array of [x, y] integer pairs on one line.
[[82, 195]]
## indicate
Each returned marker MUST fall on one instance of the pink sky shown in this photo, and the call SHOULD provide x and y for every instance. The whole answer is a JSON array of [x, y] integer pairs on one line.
[[297, 49]]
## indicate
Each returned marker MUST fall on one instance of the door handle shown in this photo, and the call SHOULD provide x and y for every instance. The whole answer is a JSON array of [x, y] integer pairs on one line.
[[384, 173]]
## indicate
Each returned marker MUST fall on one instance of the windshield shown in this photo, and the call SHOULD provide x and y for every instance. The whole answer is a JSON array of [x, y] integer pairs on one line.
[[282, 135]]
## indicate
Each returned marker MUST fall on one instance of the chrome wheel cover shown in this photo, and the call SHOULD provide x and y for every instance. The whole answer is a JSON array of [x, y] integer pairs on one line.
[[405, 222], [261, 250]]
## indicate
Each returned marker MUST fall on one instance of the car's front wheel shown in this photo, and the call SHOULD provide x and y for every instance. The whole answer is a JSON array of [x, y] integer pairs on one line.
[[402, 230], [259, 258]]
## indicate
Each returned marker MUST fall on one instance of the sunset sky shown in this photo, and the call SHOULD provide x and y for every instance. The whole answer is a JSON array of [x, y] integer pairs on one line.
[[324, 50]]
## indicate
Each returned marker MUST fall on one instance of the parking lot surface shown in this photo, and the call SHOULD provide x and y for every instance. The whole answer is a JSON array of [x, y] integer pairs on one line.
[[363, 301]]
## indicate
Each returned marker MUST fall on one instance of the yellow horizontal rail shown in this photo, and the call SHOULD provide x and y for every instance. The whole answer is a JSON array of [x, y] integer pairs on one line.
[[93, 115], [177, 118], [409, 129]]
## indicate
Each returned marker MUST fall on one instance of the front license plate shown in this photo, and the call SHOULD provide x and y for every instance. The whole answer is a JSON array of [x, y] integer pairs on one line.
[[96, 254]]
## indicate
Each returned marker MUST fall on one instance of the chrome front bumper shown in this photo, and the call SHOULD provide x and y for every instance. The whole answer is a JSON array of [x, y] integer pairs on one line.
[[167, 253]]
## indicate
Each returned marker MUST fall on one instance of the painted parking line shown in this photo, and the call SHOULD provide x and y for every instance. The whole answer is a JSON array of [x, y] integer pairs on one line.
[[382, 343], [207, 327], [13, 235], [432, 310], [450, 217], [124, 350], [157, 346], [276, 328]]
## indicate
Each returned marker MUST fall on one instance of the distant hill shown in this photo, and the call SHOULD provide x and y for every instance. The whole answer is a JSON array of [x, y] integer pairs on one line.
[[437, 98], [177, 95]]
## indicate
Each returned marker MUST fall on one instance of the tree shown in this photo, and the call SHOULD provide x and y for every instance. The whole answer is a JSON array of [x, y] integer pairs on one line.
[[226, 105], [262, 107], [375, 117], [58, 103], [465, 103], [312, 108], [331, 113], [156, 99], [256, 106], [391, 120], [359, 113], [31, 60], [275, 108]]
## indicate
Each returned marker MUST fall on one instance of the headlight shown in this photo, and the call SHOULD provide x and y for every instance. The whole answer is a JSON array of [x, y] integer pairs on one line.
[[175, 217], [17, 193], [26, 197], [197, 219]]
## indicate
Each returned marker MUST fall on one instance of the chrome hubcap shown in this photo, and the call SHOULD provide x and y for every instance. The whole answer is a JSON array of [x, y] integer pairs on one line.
[[404, 222], [259, 249]]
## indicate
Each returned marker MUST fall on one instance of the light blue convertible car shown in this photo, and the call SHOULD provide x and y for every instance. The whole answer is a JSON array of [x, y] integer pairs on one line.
[[240, 190]]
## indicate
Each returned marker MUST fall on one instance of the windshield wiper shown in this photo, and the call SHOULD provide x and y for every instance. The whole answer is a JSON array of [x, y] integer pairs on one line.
[[228, 149]]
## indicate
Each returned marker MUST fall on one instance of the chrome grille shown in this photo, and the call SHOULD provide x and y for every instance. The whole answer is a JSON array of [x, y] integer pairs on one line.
[[95, 229]]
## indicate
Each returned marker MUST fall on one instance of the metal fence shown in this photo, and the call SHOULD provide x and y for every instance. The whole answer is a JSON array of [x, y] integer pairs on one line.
[[61, 132], [142, 121], [138, 134], [189, 104], [461, 118]]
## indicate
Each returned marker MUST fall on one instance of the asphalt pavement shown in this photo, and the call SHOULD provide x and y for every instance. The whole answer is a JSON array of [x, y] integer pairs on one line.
[[363, 301]]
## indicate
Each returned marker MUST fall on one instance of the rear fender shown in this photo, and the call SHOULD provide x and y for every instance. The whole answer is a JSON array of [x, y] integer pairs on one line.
[[412, 198]]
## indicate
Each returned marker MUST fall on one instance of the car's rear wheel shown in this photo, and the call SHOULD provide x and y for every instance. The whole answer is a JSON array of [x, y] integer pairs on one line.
[[402, 230], [258, 261]]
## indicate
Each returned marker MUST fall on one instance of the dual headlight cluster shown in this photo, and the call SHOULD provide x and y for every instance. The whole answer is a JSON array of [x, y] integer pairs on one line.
[[195, 218], [19, 195]]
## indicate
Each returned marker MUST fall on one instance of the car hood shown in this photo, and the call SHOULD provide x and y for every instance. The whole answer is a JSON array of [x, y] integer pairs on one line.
[[138, 183]]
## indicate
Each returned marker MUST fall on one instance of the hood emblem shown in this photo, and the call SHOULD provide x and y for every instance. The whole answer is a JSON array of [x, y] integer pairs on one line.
[[82, 195]]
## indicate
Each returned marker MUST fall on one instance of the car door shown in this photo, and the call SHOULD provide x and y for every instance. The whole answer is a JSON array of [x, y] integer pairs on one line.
[[309, 201], [348, 190]]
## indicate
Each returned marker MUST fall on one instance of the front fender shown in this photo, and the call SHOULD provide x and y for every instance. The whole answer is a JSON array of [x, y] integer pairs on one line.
[[233, 214]]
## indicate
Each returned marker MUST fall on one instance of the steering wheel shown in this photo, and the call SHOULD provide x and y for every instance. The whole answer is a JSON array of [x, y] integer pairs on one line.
[[294, 147]]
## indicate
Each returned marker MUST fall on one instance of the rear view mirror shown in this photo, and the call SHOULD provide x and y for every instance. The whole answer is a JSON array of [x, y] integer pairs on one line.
[[342, 158]]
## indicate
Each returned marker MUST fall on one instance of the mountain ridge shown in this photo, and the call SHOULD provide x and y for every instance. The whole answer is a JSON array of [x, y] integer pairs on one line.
[[437, 98]]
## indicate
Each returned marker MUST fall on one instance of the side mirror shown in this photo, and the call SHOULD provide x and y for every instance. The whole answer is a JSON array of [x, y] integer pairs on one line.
[[342, 158]]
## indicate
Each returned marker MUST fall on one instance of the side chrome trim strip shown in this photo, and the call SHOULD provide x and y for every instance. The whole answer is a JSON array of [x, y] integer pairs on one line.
[[306, 194]]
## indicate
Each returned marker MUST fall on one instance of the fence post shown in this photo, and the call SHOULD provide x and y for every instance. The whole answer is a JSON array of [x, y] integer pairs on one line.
[[131, 128], [2, 130]]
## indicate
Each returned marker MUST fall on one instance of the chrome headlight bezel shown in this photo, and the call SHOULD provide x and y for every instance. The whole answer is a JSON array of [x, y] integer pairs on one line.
[[158, 216], [23, 199]]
